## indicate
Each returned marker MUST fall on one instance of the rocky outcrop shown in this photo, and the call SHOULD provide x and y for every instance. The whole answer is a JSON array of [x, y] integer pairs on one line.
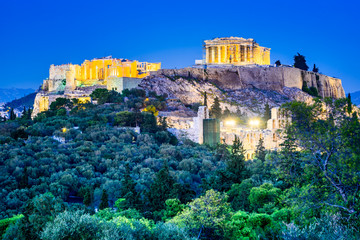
[[247, 89], [259, 77]]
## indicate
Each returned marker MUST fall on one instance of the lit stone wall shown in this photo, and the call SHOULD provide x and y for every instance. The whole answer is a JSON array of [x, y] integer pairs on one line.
[[250, 137], [58, 72], [236, 51], [120, 83], [70, 80], [96, 72]]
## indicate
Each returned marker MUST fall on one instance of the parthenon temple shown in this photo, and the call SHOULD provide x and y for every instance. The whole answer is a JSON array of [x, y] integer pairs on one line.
[[236, 51]]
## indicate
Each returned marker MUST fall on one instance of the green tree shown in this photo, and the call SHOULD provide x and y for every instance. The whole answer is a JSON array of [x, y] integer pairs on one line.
[[160, 189], [125, 118], [300, 62], [100, 94], [173, 207], [267, 113], [215, 109], [205, 99], [236, 164], [60, 103], [264, 198], [163, 125], [5, 223], [128, 189], [24, 182], [239, 195], [37, 213], [278, 63], [12, 114], [349, 104], [315, 69], [329, 157], [260, 151], [208, 214], [305, 87], [87, 194], [73, 225], [148, 123], [29, 113], [104, 200]]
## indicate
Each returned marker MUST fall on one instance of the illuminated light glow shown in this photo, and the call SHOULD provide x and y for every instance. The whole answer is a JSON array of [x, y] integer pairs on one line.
[[254, 122], [230, 122], [63, 130]]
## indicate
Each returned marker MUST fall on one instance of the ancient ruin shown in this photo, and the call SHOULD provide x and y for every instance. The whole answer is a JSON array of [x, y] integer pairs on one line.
[[105, 71], [236, 51], [78, 81]]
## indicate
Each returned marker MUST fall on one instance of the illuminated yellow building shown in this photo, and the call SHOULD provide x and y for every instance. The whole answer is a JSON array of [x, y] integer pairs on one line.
[[79, 81], [99, 71], [236, 51]]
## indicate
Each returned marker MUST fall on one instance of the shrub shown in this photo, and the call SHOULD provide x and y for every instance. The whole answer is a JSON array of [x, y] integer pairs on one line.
[[5, 223]]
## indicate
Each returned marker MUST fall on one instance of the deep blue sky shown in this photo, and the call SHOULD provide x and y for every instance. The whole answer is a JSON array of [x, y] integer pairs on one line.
[[35, 34]]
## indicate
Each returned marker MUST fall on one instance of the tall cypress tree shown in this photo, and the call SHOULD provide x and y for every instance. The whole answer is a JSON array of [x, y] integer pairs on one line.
[[215, 110], [349, 104], [29, 113], [128, 189], [236, 163], [205, 99], [24, 182], [12, 114], [161, 189], [260, 150], [267, 113], [104, 200], [315, 69]]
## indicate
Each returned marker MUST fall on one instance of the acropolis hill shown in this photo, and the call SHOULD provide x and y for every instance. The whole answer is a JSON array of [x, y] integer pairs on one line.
[[235, 69]]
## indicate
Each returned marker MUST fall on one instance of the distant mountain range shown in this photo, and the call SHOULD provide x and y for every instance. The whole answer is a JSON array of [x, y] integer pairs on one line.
[[355, 98], [10, 94], [19, 104]]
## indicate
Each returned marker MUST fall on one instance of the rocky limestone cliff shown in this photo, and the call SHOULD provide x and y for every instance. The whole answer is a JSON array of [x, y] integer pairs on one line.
[[247, 89], [260, 77]]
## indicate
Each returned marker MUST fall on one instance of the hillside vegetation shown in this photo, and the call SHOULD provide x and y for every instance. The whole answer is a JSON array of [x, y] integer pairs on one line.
[[59, 168]]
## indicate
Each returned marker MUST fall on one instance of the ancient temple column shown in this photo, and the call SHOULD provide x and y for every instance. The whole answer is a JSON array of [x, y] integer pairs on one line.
[[251, 54], [235, 52], [245, 53], [84, 68], [219, 54], [241, 52], [225, 54], [207, 54], [213, 55]]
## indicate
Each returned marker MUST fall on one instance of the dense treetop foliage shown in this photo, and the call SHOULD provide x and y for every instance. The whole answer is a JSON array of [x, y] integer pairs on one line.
[[80, 171]]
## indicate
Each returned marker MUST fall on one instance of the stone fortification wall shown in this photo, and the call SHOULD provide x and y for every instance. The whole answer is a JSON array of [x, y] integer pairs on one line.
[[260, 77], [58, 72]]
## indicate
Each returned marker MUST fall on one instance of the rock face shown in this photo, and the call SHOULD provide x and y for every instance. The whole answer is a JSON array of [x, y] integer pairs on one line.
[[247, 89], [260, 77]]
